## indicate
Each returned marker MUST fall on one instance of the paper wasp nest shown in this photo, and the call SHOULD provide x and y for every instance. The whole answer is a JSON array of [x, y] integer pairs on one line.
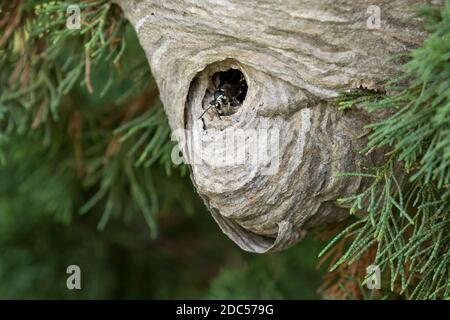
[[265, 155]]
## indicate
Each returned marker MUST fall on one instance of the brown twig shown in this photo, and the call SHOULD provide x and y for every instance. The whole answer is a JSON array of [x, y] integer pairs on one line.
[[12, 22], [88, 72]]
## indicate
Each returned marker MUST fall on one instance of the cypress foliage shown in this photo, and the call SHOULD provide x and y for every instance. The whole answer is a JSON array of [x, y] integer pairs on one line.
[[408, 213], [84, 140], [117, 130]]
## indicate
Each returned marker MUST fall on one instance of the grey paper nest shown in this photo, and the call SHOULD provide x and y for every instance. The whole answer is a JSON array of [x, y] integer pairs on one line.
[[295, 58]]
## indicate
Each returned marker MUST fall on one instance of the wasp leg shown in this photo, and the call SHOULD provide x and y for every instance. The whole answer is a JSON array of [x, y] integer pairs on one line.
[[218, 111], [204, 124], [209, 107], [219, 114]]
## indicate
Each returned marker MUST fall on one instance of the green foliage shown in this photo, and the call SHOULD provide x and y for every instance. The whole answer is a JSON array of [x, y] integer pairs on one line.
[[348, 100], [42, 60], [90, 89], [408, 218]]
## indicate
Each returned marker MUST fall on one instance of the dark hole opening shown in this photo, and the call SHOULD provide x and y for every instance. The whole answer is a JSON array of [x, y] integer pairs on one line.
[[234, 81], [227, 92]]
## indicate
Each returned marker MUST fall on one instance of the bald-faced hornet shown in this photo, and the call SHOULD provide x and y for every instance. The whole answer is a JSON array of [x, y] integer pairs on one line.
[[229, 94]]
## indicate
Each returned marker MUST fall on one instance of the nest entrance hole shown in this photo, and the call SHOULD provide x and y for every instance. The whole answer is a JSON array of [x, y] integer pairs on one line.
[[227, 87]]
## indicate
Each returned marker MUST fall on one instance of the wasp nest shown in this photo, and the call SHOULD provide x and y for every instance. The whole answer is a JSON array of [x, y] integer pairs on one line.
[[248, 88]]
